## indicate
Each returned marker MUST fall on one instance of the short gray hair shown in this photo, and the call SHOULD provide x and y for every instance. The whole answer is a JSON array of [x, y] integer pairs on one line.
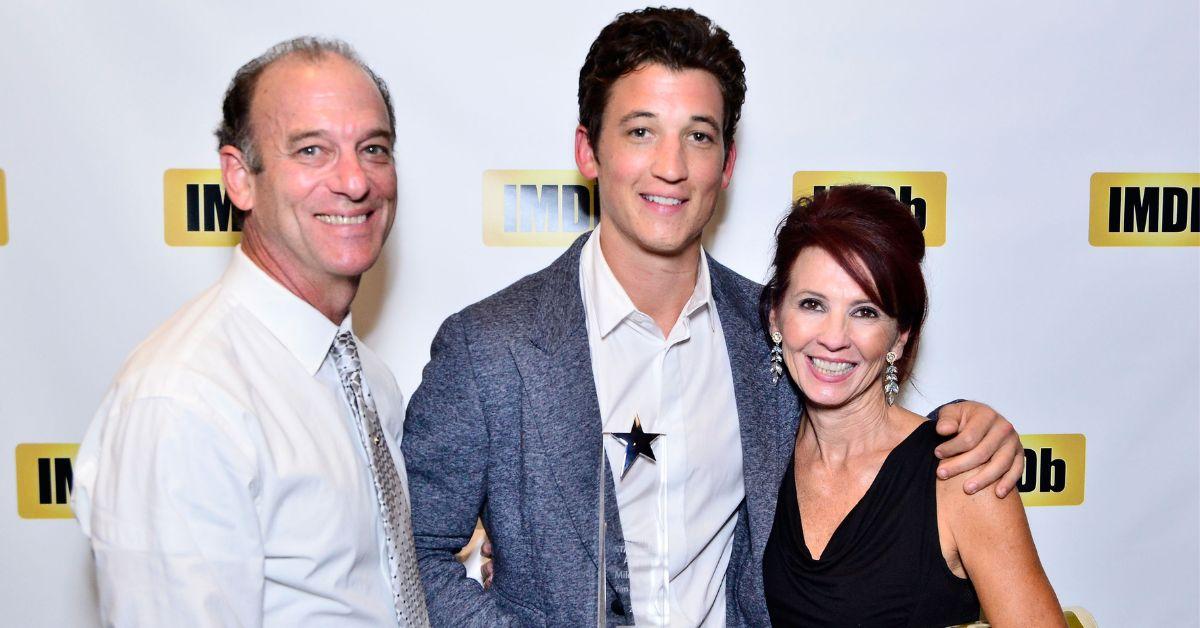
[[235, 129]]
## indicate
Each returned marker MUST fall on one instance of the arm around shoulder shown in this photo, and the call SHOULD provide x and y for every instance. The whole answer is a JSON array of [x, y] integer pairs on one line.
[[992, 538], [445, 449], [984, 442]]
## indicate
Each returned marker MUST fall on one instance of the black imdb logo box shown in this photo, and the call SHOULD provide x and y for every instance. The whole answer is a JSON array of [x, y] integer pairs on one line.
[[1144, 209], [196, 210], [45, 478], [1055, 467]]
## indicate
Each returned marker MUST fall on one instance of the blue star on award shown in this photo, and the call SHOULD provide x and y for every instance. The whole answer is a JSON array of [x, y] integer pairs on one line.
[[638, 445]]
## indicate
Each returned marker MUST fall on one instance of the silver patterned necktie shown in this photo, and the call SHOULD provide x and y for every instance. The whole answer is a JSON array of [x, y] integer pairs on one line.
[[407, 593]]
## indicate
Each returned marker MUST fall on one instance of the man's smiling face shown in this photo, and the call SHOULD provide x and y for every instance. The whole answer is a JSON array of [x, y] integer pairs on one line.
[[325, 200], [660, 160]]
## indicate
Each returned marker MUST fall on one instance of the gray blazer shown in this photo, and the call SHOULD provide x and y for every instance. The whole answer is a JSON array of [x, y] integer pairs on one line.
[[506, 426]]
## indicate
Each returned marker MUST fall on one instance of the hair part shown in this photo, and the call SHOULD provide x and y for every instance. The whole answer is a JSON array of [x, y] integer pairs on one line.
[[874, 238], [236, 129], [679, 39]]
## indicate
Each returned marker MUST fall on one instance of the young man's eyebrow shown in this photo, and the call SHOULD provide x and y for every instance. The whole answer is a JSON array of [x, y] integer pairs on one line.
[[637, 114], [707, 120]]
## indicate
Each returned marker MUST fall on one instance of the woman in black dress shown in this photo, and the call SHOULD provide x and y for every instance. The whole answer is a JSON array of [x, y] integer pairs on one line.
[[864, 534]]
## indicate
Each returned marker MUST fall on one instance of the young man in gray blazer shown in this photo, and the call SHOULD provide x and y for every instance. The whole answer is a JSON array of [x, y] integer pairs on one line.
[[635, 347]]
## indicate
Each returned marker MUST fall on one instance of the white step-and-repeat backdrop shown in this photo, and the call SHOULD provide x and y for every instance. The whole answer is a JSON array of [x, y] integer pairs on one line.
[[1051, 149]]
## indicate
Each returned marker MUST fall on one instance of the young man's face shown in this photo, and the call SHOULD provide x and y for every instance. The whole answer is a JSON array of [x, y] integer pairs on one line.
[[660, 160]]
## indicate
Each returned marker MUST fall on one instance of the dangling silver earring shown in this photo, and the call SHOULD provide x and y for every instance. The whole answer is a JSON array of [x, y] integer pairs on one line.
[[776, 357], [890, 379]]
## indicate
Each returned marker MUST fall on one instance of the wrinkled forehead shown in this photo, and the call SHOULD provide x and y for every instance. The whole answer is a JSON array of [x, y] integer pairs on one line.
[[300, 81], [331, 94]]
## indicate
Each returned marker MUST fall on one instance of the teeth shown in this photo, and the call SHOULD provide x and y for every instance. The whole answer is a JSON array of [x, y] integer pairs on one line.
[[662, 200], [331, 219], [832, 368]]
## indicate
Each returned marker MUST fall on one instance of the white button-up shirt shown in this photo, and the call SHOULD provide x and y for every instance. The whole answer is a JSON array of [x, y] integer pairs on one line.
[[677, 514], [223, 481]]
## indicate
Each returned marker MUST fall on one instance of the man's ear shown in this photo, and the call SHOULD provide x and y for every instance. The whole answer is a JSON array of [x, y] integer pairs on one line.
[[585, 154], [237, 177], [727, 169]]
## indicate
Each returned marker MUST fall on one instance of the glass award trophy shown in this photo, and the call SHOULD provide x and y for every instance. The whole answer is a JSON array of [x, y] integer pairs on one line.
[[637, 445]]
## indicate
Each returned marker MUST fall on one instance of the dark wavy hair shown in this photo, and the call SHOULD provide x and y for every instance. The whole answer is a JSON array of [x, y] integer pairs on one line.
[[235, 129], [874, 238], [677, 38]]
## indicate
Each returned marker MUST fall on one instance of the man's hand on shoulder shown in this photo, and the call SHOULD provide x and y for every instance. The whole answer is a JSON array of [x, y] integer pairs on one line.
[[985, 442]]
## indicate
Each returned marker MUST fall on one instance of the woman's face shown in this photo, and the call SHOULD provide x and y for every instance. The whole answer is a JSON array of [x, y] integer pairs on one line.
[[835, 338]]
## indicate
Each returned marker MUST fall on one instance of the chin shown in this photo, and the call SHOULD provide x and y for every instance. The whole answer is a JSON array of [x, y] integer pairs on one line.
[[353, 266], [825, 404], [667, 246], [814, 395]]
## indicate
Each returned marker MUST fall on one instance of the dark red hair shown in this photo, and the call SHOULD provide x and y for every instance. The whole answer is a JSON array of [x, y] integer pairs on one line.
[[874, 238]]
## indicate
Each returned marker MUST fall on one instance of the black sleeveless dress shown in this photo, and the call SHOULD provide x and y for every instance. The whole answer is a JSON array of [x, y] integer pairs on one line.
[[883, 565]]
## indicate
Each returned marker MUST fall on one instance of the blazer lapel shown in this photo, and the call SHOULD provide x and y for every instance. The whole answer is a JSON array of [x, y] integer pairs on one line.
[[768, 413], [556, 371]]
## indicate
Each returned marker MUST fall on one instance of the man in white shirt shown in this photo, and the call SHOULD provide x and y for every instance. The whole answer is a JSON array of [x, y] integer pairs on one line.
[[633, 322], [244, 469]]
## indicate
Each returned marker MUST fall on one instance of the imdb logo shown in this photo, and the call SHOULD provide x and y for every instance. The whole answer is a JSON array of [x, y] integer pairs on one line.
[[196, 211], [923, 192], [44, 480], [1145, 209], [3, 211], [537, 207], [1054, 470], [1078, 617]]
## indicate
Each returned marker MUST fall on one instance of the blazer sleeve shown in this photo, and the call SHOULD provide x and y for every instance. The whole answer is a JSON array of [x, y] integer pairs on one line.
[[445, 449], [933, 416]]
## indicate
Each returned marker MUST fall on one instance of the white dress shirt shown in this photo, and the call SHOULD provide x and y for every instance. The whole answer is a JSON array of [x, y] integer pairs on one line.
[[677, 514], [223, 481]]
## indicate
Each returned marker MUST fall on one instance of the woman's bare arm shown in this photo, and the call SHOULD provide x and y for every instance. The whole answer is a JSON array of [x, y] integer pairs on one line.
[[991, 537]]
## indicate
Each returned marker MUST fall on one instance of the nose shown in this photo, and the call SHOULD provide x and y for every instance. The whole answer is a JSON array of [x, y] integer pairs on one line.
[[349, 179], [670, 163], [834, 334]]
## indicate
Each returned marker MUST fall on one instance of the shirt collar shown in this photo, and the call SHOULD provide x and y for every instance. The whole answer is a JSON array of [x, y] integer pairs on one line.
[[305, 332], [612, 304], [702, 295]]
